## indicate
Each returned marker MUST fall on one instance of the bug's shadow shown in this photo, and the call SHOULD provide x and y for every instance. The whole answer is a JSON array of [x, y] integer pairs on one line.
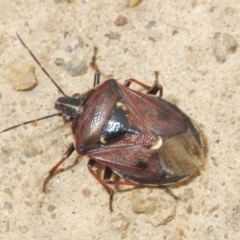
[[169, 189], [46, 188], [69, 167]]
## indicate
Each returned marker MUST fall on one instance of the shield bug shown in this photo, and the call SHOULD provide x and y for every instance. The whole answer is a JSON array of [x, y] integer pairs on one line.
[[140, 137]]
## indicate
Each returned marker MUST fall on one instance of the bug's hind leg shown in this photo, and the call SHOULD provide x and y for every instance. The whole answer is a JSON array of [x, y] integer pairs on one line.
[[154, 89], [167, 190], [128, 183]]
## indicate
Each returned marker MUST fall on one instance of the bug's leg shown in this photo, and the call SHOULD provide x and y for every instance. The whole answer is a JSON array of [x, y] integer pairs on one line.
[[107, 174], [156, 87], [167, 190], [95, 68], [130, 80], [106, 177], [66, 155], [151, 90], [128, 183]]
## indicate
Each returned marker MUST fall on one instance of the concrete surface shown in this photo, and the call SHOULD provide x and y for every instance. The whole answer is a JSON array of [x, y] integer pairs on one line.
[[195, 47]]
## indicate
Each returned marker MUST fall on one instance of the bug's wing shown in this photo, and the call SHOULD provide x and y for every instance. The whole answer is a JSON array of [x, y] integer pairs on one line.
[[162, 117], [175, 160], [134, 163], [181, 154], [154, 112], [97, 107]]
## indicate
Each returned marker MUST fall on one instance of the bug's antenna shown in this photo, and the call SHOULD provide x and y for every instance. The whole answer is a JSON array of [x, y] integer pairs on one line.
[[31, 121], [39, 64]]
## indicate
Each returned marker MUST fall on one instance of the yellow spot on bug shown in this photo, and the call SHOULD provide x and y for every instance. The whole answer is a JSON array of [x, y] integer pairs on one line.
[[158, 144], [121, 105], [102, 140]]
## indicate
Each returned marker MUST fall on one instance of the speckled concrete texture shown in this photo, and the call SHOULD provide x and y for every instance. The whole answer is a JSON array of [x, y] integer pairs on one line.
[[195, 47]]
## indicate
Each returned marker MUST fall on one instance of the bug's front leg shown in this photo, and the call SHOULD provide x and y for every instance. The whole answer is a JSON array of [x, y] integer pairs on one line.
[[94, 66], [66, 155]]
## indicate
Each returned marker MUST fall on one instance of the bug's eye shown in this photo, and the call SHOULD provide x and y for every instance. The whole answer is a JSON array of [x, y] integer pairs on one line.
[[76, 95]]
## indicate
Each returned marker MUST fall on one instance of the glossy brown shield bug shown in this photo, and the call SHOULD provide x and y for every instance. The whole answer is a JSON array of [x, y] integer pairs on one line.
[[140, 137]]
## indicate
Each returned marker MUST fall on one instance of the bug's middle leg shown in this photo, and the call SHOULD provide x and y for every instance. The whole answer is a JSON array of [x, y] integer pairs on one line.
[[156, 87], [107, 175]]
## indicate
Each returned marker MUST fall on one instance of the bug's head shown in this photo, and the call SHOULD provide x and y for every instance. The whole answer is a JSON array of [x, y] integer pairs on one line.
[[69, 106]]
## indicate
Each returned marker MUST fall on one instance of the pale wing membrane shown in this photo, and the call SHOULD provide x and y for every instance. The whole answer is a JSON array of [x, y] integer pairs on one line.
[[180, 154]]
